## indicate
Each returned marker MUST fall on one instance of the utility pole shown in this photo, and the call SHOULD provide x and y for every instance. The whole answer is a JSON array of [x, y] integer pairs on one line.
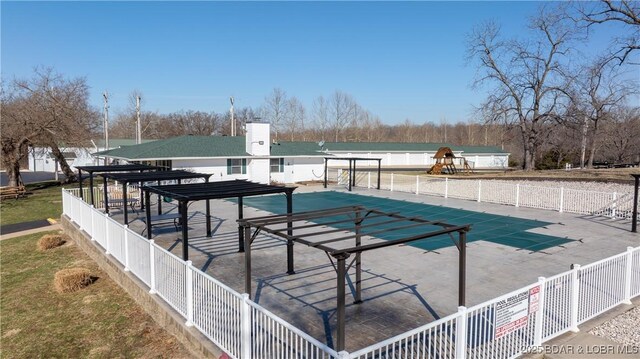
[[106, 122], [233, 121], [138, 131]]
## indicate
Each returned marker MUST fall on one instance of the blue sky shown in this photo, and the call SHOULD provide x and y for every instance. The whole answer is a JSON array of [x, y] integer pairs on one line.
[[399, 60]]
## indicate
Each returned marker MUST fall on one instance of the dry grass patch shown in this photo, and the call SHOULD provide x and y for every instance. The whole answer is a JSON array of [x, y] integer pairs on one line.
[[72, 279], [99, 321], [49, 241]]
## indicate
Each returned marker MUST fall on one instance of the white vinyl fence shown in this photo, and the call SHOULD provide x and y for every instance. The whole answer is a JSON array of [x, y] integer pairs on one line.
[[608, 204], [229, 319], [503, 327]]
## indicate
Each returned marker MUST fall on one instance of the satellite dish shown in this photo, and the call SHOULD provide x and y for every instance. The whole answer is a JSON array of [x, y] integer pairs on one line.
[[321, 143]]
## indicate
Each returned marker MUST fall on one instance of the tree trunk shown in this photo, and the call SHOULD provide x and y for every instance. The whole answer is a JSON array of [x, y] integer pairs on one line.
[[592, 150], [66, 169], [13, 174], [12, 153]]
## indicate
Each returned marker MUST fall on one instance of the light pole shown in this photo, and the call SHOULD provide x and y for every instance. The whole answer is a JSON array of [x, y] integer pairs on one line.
[[233, 122]]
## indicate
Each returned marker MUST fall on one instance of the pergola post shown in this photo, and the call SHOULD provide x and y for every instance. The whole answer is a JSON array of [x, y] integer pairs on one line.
[[106, 195], [462, 268], [358, 223], [634, 219], [353, 176], [124, 202], [379, 165], [91, 188], [326, 177], [247, 259], [290, 269], [147, 197], [350, 174], [208, 212], [241, 247], [80, 183], [342, 272], [185, 230], [142, 204], [159, 202]]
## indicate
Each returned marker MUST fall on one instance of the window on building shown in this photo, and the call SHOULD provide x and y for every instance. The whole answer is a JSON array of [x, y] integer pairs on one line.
[[237, 166], [165, 165], [277, 165]]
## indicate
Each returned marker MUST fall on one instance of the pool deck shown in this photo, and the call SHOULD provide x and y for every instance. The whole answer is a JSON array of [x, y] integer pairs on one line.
[[404, 287]]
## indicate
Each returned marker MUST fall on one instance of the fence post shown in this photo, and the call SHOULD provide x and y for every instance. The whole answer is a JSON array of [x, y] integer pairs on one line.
[[575, 297], [538, 332], [446, 187], [189, 269], [246, 327], [518, 195], [344, 355], [152, 268], [461, 333], [417, 184], [614, 206], [369, 179], [627, 277], [479, 189], [126, 247], [561, 198], [392, 182]]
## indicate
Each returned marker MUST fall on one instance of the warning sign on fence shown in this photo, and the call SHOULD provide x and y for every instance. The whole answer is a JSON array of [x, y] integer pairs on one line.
[[513, 313]]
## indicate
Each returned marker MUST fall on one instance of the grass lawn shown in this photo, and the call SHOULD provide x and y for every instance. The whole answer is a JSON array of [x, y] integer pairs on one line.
[[100, 321], [41, 203]]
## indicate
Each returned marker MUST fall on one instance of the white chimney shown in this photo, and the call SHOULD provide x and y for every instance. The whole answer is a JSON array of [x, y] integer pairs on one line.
[[258, 139]]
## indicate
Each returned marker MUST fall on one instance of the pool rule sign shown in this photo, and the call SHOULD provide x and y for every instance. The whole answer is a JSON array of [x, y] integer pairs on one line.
[[512, 313]]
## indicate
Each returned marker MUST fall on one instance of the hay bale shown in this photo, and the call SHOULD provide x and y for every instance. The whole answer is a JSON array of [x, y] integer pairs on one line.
[[50, 241], [72, 279]]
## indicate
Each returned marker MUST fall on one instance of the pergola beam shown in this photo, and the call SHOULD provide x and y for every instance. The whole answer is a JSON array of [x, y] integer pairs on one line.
[[342, 254]]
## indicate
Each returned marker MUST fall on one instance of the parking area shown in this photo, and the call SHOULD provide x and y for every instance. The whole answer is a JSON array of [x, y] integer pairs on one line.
[[403, 286]]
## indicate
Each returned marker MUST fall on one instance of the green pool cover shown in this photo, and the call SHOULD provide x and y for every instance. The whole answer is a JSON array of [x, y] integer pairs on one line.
[[498, 229]]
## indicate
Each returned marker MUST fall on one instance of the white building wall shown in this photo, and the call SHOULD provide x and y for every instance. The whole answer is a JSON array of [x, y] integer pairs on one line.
[[42, 160], [258, 170], [217, 167]]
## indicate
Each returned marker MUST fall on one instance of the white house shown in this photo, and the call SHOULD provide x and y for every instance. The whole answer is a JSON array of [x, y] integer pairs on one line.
[[255, 157], [41, 158]]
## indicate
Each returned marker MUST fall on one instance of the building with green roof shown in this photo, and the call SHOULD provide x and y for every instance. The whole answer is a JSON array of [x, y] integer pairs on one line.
[[255, 157]]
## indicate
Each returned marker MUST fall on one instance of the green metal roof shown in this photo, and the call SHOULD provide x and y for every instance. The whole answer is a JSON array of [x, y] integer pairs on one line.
[[405, 147], [223, 146], [467, 150], [119, 142], [182, 147]]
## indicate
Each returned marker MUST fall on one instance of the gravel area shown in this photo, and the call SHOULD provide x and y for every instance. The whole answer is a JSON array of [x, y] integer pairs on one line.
[[622, 329], [586, 186]]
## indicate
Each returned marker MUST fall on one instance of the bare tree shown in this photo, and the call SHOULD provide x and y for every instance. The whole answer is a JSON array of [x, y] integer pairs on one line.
[[527, 75], [342, 109], [321, 116], [294, 118], [46, 110], [275, 109], [625, 12], [599, 90]]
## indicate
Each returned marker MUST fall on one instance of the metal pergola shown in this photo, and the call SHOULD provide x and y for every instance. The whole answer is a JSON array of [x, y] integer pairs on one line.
[[142, 177], [332, 242], [112, 168], [218, 190], [634, 218], [352, 168]]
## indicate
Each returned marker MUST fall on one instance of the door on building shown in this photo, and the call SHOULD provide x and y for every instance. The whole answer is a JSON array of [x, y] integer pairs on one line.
[[288, 170]]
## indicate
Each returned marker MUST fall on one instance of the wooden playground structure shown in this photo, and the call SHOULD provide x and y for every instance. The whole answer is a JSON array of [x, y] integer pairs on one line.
[[445, 163]]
